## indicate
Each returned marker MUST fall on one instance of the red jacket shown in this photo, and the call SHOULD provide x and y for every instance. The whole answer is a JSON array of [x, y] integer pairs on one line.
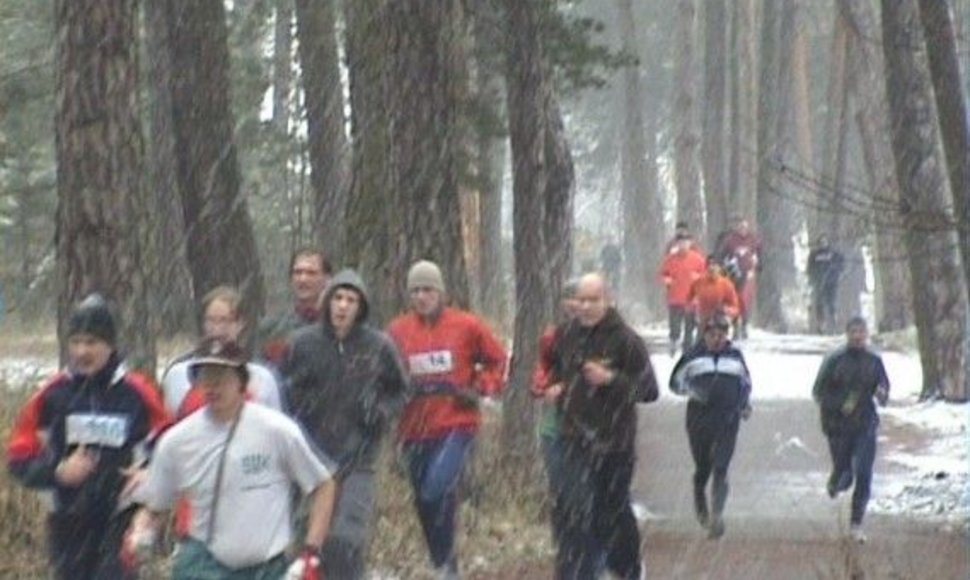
[[456, 354], [679, 272], [710, 294]]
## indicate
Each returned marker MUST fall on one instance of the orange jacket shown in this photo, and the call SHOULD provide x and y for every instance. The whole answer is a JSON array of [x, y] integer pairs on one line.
[[679, 272], [712, 293], [456, 354]]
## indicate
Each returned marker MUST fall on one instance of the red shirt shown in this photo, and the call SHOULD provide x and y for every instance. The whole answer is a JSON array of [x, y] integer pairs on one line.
[[679, 272], [455, 353], [712, 293]]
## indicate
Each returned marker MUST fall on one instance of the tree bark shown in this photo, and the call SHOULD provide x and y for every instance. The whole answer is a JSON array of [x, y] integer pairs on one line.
[[690, 205], [940, 305], [428, 86], [99, 156], [527, 102], [771, 94], [221, 247], [952, 108], [558, 203], [326, 141], [712, 146], [282, 64], [172, 298], [868, 87]]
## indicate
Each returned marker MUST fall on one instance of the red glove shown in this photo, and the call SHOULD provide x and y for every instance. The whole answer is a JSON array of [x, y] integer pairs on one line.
[[305, 567]]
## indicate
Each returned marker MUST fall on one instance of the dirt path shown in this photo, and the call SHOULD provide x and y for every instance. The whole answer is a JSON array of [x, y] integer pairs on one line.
[[780, 523]]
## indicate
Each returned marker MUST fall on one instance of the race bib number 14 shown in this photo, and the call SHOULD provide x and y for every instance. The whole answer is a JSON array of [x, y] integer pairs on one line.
[[431, 363]]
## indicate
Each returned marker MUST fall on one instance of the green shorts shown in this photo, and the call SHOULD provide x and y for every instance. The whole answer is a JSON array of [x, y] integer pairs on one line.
[[193, 561]]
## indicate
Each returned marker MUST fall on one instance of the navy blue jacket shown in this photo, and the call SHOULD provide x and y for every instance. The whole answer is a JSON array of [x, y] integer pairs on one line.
[[717, 379]]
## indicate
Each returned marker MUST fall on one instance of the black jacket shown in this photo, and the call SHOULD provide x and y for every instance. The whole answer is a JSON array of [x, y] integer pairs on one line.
[[603, 417], [344, 392], [845, 386], [715, 379]]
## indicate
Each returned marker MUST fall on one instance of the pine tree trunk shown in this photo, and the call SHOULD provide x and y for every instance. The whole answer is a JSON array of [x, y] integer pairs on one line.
[[528, 100], [99, 155], [952, 108], [712, 146], [558, 203], [220, 243], [367, 239], [690, 205], [326, 142], [426, 91], [282, 65], [172, 298], [940, 305], [868, 86]]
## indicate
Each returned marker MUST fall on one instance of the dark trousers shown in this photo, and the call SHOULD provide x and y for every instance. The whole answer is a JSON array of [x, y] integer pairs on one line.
[[679, 317], [712, 433], [89, 549], [435, 468], [853, 455], [597, 527], [823, 307]]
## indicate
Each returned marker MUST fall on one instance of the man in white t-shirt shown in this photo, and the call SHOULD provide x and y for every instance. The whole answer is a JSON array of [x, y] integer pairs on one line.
[[236, 463]]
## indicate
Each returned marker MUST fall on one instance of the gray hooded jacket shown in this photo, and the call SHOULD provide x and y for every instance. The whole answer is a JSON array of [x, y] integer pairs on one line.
[[344, 391]]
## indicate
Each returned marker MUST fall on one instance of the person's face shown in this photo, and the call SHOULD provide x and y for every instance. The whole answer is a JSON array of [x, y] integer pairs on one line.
[[570, 306], [307, 279], [87, 353], [593, 303], [222, 387], [713, 269], [715, 337], [425, 300], [682, 246], [344, 307], [221, 322], [742, 226], [857, 335]]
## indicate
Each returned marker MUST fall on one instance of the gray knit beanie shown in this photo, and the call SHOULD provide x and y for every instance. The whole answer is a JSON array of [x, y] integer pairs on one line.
[[425, 274]]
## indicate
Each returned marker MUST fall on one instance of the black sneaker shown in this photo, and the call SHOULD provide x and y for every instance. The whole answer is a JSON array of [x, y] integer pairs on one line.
[[700, 507], [716, 528]]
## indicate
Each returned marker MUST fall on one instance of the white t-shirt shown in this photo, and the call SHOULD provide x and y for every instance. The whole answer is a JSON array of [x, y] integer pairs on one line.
[[268, 453], [262, 385]]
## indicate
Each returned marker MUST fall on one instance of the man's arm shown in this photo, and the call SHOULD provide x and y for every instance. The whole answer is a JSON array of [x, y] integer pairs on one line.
[[822, 379], [321, 511]]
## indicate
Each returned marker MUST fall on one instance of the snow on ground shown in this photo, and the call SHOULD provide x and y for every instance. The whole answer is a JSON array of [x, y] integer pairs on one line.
[[932, 481]]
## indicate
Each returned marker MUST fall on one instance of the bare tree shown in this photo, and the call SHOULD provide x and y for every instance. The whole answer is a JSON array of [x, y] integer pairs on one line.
[[326, 141], [690, 205], [99, 155], [428, 86], [951, 105], [712, 146], [220, 245], [557, 201], [940, 305], [282, 64], [742, 189]]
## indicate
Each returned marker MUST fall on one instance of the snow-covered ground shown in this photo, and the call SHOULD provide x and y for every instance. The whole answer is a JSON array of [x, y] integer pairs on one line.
[[932, 481]]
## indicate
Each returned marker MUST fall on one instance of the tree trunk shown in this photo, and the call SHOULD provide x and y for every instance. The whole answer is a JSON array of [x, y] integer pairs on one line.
[[326, 141], [690, 206], [426, 92], [220, 245], [528, 102], [172, 301], [940, 305], [367, 239], [282, 65], [558, 203], [952, 108], [868, 88], [642, 223], [770, 104], [825, 219], [99, 154], [712, 146]]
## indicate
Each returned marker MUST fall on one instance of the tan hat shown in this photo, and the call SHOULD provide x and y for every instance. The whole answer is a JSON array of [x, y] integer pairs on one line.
[[425, 274]]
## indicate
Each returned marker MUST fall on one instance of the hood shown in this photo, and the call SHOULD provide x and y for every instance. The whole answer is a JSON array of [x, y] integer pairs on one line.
[[346, 279]]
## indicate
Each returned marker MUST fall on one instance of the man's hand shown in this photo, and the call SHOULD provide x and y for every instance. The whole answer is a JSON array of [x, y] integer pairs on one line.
[[882, 395], [140, 539], [134, 478], [746, 412], [552, 394], [305, 567], [597, 374], [78, 466]]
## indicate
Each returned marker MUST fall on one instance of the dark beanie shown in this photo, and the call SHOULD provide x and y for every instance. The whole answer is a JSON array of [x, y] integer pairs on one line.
[[93, 316]]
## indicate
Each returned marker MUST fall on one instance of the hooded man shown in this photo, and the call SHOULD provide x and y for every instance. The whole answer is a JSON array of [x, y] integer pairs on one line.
[[81, 436], [345, 383]]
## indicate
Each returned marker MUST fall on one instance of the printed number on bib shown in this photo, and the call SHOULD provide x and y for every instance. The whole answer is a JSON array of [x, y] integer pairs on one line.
[[107, 430], [431, 363]]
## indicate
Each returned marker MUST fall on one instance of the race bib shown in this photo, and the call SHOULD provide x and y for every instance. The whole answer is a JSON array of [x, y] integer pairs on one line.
[[431, 363], [106, 430]]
